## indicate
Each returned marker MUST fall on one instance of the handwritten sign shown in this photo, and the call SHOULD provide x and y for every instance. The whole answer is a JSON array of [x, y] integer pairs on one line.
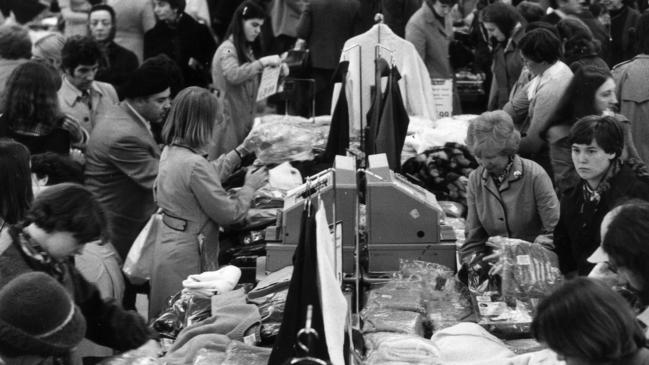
[[443, 97], [269, 82]]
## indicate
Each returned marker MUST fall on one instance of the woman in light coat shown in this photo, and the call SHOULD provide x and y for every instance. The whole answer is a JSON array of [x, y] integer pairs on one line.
[[507, 195], [189, 193], [236, 72]]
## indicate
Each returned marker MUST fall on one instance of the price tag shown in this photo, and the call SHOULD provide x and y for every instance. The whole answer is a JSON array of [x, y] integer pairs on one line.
[[268, 83], [443, 97]]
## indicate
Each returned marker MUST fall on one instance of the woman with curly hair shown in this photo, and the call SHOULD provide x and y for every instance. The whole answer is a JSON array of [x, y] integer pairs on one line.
[[31, 113]]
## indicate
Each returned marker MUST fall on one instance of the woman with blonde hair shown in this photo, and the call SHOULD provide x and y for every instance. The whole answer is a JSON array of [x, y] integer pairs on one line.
[[189, 192], [507, 195]]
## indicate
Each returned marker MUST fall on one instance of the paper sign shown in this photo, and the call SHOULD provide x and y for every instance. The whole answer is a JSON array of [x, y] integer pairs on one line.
[[268, 83], [443, 97]]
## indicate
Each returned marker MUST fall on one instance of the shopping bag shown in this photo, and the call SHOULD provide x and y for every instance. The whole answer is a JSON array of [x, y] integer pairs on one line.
[[139, 261]]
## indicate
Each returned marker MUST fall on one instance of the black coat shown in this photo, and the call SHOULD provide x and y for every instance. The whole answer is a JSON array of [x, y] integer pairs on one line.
[[188, 39], [576, 236], [117, 66]]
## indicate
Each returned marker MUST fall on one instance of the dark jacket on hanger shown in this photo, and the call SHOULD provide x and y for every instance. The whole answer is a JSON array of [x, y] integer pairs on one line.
[[303, 291], [338, 140], [393, 123]]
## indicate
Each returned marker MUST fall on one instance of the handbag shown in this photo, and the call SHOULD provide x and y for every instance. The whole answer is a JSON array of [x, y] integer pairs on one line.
[[139, 261]]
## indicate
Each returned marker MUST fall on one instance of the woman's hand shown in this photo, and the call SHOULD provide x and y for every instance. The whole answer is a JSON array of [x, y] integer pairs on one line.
[[251, 143], [256, 177], [270, 61]]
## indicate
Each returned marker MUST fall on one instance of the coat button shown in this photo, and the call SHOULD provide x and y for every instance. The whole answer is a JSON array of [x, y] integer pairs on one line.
[[501, 219]]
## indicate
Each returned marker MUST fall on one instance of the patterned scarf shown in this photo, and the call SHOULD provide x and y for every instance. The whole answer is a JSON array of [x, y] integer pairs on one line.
[[38, 257], [595, 195]]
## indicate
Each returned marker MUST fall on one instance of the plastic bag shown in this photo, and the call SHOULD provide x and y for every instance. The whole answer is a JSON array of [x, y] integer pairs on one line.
[[183, 309], [139, 261], [400, 348], [388, 320], [272, 314], [239, 353], [529, 269], [283, 139], [402, 295]]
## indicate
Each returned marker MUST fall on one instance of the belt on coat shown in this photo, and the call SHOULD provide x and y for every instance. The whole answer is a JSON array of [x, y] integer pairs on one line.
[[175, 223]]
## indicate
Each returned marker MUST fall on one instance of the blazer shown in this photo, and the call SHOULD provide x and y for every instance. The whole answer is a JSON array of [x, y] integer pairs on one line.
[[506, 68], [576, 236], [315, 22], [103, 96], [431, 38], [118, 65], [189, 191], [121, 166], [524, 206]]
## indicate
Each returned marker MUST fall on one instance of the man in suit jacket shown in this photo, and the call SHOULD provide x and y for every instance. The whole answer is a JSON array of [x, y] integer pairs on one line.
[[122, 157], [326, 25], [284, 16]]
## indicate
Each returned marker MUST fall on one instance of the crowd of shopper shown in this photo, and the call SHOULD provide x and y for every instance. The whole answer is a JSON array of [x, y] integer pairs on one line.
[[128, 107]]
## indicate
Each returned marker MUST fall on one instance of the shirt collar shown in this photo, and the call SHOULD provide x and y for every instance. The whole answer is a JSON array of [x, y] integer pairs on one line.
[[139, 116], [71, 93], [515, 171]]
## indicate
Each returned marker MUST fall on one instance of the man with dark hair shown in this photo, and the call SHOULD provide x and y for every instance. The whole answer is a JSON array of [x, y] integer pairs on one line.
[[122, 157], [81, 97], [58, 224], [15, 48]]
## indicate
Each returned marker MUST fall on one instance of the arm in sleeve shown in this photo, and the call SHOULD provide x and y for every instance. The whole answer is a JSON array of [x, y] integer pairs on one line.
[[303, 29], [70, 15], [416, 36], [475, 234], [135, 160], [235, 73], [561, 240], [546, 100], [547, 206], [518, 106], [222, 208], [295, 5], [108, 324], [226, 164]]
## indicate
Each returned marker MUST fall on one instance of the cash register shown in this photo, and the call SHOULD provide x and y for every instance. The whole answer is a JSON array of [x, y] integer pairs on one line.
[[337, 187], [404, 221]]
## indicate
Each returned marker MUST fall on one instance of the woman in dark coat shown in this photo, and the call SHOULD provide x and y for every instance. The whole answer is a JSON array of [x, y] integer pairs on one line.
[[183, 39], [596, 143], [117, 63]]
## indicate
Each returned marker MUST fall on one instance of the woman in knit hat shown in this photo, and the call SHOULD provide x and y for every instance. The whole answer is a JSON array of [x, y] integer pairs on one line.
[[38, 321]]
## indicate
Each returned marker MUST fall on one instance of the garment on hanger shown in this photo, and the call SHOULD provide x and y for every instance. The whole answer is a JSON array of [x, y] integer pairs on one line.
[[381, 69], [303, 291], [393, 123], [338, 140], [416, 90]]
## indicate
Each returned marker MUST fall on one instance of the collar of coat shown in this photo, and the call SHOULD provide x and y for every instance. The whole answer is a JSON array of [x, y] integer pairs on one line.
[[516, 172], [71, 94]]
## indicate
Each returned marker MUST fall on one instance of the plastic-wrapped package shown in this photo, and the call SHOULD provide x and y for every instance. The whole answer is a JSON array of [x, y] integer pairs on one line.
[[529, 269], [395, 348], [283, 139], [183, 309], [389, 320], [272, 313], [239, 353], [403, 295], [209, 357]]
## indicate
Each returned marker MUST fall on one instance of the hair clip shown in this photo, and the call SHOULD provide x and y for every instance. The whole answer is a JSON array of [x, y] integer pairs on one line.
[[245, 10]]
